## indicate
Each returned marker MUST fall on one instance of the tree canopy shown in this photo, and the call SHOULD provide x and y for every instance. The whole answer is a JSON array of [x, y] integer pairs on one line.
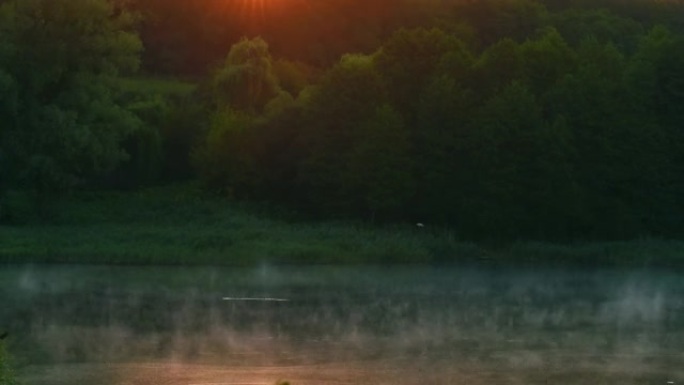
[[500, 119], [59, 65]]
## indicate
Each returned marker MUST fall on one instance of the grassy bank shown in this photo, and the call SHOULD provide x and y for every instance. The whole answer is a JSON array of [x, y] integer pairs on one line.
[[182, 226]]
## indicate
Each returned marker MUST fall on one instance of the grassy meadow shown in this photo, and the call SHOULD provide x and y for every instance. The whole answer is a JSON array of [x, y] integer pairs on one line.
[[182, 226]]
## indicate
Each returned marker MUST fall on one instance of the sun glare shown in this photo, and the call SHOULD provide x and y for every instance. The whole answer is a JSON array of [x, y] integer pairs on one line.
[[259, 8], [256, 13]]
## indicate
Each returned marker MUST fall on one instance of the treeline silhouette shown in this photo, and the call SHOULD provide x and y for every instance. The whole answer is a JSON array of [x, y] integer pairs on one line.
[[501, 119]]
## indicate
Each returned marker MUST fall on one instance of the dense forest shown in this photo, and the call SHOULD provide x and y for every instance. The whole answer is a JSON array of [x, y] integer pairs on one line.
[[500, 119]]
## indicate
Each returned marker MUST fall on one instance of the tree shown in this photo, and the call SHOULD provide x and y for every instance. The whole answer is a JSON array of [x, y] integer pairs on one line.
[[246, 82], [623, 153], [655, 83], [379, 169], [546, 60], [348, 96], [439, 142], [59, 64], [241, 95], [411, 58], [575, 25], [521, 181], [497, 67], [294, 76], [656, 75], [225, 160]]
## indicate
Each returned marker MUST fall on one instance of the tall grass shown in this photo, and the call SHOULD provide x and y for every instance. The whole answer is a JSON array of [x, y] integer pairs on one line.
[[181, 225]]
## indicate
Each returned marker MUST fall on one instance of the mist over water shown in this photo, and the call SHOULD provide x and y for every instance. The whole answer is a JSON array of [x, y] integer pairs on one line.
[[356, 325]]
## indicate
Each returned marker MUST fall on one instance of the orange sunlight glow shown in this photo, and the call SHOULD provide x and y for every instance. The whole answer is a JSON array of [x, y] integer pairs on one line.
[[258, 6], [256, 9]]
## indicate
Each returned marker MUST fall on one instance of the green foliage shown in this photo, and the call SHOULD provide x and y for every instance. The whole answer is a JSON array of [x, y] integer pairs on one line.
[[347, 98], [621, 152], [6, 373], [546, 60], [439, 142], [500, 118], [59, 61], [294, 76], [411, 57], [655, 84], [656, 74], [224, 159], [507, 139], [182, 131], [138, 228], [498, 66], [576, 25], [349, 92], [246, 81], [159, 148], [379, 167], [536, 136], [244, 95]]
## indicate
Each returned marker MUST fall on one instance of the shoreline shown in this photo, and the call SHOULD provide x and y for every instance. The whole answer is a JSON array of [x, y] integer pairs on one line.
[[183, 227]]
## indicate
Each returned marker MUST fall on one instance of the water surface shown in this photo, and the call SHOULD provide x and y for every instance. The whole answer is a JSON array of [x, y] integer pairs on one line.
[[343, 325]]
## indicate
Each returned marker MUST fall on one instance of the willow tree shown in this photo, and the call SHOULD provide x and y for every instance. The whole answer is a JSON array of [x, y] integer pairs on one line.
[[242, 90], [60, 61], [246, 81]]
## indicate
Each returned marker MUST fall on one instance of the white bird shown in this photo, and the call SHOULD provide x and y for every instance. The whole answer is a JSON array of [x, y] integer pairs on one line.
[[420, 224]]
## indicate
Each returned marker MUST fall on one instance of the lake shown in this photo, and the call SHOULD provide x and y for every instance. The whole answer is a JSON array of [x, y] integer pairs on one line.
[[343, 325]]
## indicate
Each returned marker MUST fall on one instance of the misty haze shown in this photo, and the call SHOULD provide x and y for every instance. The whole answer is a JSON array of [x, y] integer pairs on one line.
[[336, 325]]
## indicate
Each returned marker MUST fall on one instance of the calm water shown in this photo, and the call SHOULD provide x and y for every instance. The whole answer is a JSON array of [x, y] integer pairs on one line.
[[332, 325]]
